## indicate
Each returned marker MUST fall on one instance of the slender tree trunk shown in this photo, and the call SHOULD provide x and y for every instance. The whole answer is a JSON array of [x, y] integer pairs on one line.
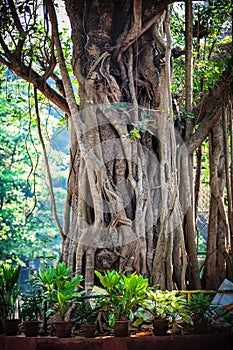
[[193, 273], [228, 155], [218, 228], [188, 58], [197, 178]]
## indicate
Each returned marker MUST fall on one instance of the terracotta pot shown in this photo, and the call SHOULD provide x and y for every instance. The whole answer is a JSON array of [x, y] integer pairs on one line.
[[1, 327], [121, 328], [31, 328], [160, 326], [11, 326], [63, 328], [89, 330], [201, 326]]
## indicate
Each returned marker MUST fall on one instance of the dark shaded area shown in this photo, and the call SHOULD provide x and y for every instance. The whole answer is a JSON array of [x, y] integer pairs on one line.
[[221, 341]]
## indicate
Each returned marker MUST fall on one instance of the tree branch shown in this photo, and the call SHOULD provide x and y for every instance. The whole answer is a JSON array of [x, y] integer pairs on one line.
[[188, 56], [15, 16], [52, 63], [19, 26], [53, 202], [31, 76], [61, 60], [134, 33], [210, 109], [13, 62]]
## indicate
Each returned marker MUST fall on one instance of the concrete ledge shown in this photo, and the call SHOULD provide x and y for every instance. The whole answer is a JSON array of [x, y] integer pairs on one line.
[[220, 341]]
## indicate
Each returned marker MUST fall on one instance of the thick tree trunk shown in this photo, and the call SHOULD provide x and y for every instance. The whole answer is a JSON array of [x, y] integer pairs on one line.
[[126, 210], [126, 200]]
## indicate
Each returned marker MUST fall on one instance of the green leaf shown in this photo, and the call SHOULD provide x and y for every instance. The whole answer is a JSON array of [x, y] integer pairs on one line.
[[111, 320], [131, 315]]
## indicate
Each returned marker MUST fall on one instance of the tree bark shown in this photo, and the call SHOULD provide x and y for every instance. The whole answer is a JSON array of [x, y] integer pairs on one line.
[[218, 228], [125, 200], [193, 273], [209, 110], [120, 66], [228, 154]]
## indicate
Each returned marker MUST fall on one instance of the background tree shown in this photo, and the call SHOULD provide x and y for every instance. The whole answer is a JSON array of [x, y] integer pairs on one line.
[[26, 224], [125, 200]]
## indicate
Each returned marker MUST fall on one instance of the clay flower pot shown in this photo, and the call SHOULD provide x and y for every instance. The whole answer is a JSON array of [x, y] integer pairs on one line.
[[89, 330], [31, 328], [1, 327], [201, 326], [121, 328], [160, 326], [63, 328], [11, 326]]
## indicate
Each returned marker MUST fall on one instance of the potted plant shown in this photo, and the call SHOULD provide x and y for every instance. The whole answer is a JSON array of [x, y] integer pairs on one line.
[[31, 311], [87, 315], [9, 276], [60, 291], [201, 311], [31, 307], [165, 306], [125, 295]]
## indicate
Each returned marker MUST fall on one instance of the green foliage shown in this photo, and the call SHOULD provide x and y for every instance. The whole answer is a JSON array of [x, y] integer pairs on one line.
[[27, 229], [143, 126], [9, 276], [211, 31], [200, 306], [201, 243], [32, 36], [32, 304], [167, 304], [109, 280], [35, 48], [60, 288], [130, 297], [126, 293], [87, 313], [47, 280]]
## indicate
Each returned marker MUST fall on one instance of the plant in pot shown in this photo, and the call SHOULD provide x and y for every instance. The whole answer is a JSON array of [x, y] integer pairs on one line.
[[201, 312], [165, 306], [9, 292], [87, 316], [125, 295], [60, 291], [31, 307]]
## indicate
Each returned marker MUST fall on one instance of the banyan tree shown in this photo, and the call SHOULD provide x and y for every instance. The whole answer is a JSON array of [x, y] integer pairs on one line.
[[130, 196]]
